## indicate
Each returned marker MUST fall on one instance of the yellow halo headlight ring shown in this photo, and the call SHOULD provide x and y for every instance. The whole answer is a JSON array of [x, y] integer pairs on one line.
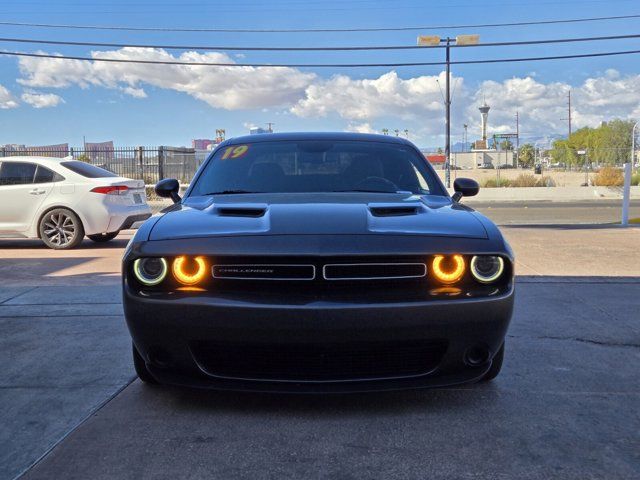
[[450, 274], [188, 274]]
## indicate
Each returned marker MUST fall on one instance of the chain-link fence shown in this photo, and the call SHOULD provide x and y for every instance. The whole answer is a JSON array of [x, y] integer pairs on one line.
[[150, 164]]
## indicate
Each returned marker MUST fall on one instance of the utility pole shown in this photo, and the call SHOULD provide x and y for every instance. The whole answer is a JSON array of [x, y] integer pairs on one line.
[[270, 127], [517, 138], [569, 113], [434, 41], [447, 147], [464, 138]]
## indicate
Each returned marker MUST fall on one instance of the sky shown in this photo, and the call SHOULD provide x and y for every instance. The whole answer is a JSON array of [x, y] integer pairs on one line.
[[47, 101]]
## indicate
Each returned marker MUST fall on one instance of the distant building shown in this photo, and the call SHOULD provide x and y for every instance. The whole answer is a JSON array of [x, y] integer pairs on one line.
[[102, 151], [435, 159], [12, 147], [203, 143], [258, 130], [481, 159], [60, 150]]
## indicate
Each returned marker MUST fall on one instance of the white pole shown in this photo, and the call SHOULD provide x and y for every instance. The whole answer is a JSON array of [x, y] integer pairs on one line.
[[626, 194], [628, 167]]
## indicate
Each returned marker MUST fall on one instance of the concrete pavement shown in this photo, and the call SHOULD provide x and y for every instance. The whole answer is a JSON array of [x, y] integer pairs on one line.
[[564, 406]]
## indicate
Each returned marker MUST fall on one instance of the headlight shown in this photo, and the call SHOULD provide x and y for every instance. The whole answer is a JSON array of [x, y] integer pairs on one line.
[[189, 271], [150, 271], [448, 269], [487, 268]]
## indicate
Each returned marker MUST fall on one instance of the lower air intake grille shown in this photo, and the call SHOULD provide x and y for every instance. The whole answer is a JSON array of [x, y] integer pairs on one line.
[[319, 362], [373, 271]]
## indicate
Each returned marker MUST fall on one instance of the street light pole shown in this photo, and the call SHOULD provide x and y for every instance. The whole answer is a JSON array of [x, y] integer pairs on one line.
[[447, 147], [435, 41]]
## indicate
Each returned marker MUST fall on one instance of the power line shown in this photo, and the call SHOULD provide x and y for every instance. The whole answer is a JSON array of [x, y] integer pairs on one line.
[[292, 49], [318, 65], [317, 30]]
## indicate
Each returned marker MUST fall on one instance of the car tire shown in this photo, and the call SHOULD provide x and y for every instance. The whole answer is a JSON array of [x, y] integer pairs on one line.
[[496, 365], [103, 237], [141, 367], [61, 229]]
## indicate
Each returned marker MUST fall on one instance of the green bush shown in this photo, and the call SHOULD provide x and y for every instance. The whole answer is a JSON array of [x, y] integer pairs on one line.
[[635, 179]]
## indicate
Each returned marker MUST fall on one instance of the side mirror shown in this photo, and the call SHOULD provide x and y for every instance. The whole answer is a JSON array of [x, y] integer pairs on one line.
[[168, 188], [464, 187]]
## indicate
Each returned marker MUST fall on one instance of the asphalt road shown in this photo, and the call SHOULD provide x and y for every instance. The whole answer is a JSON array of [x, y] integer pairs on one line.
[[565, 405], [549, 213]]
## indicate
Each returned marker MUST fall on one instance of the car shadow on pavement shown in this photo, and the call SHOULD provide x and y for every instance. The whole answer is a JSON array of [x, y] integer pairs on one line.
[[34, 244]]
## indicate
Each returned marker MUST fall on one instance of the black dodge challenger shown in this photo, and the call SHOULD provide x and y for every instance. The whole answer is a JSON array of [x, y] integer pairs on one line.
[[317, 262]]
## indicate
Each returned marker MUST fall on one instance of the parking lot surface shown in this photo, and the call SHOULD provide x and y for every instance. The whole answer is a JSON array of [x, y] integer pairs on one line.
[[564, 406]]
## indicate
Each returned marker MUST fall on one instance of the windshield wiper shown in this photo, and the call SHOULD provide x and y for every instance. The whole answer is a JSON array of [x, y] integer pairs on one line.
[[230, 192]]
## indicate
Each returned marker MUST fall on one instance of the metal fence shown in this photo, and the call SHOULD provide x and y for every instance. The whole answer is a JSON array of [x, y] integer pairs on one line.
[[150, 164]]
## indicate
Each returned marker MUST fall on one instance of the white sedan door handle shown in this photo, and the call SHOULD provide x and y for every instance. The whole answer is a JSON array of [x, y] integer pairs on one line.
[[37, 191]]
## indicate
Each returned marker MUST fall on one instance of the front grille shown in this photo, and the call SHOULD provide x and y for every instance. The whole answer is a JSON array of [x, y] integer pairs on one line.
[[373, 271], [324, 362]]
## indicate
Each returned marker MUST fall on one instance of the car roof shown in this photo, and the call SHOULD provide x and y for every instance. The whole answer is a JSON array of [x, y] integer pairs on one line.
[[35, 159], [296, 136]]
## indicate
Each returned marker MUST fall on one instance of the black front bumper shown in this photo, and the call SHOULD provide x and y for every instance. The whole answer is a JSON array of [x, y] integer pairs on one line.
[[229, 344]]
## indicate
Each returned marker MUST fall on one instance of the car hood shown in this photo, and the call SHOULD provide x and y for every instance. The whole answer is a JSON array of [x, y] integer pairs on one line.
[[317, 214]]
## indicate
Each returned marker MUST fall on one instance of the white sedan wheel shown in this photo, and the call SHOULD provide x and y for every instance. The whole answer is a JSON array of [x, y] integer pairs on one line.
[[61, 229]]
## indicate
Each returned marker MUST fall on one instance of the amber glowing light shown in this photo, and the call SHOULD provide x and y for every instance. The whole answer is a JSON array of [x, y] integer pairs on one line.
[[451, 271], [189, 272]]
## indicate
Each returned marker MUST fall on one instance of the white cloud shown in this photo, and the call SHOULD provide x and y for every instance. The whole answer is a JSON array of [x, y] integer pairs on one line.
[[6, 99], [387, 95], [41, 100], [230, 88], [361, 128], [388, 100], [135, 92], [543, 107]]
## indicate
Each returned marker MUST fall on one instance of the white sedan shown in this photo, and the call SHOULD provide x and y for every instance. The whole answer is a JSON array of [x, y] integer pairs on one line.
[[60, 200]]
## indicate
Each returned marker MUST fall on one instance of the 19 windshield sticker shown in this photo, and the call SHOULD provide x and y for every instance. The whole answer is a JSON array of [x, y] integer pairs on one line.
[[235, 152]]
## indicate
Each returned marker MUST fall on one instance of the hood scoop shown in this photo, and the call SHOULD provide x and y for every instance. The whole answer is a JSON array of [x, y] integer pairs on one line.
[[250, 211], [394, 210]]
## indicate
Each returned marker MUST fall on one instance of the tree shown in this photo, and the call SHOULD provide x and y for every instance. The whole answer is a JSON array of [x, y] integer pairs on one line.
[[526, 155], [439, 151], [506, 144], [608, 144]]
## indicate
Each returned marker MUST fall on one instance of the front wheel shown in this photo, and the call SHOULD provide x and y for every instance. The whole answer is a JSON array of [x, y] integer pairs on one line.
[[103, 237], [496, 365], [141, 367], [61, 229]]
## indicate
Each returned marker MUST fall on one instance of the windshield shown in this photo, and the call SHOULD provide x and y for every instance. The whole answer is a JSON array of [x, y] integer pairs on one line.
[[316, 166]]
